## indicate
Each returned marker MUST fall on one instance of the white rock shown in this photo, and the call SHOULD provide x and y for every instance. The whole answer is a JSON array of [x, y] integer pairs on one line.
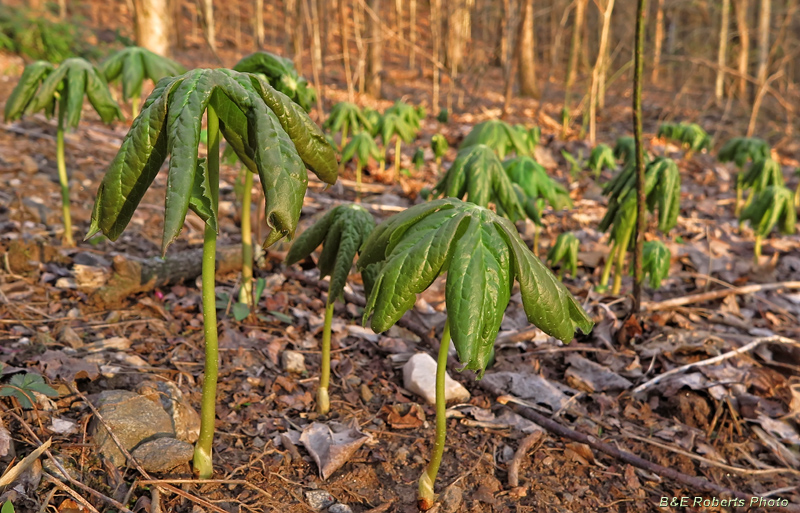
[[294, 362], [419, 376]]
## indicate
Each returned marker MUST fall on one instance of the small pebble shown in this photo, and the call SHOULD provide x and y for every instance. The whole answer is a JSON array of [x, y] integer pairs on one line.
[[319, 499], [294, 362], [340, 508]]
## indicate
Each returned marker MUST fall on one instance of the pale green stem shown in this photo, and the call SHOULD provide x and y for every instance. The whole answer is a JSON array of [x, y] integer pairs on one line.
[[622, 251], [739, 194], [757, 248], [203, 466], [607, 267], [246, 292], [135, 107], [397, 157], [323, 401], [62, 173], [358, 180], [344, 134], [797, 196], [536, 231], [425, 495], [438, 162]]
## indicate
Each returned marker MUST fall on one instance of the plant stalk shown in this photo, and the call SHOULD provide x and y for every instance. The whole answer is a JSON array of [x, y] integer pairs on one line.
[[344, 134], [246, 292], [536, 231], [638, 249], [323, 400], [739, 194], [425, 495], [358, 180], [620, 266], [203, 466], [757, 248], [62, 173], [397, 157], [135, 106], [607, 267]]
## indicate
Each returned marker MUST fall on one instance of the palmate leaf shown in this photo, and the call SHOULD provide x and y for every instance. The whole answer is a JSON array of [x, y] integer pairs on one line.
[[265, 129], [394, 124], [73, 79], [482, 255], [497, 135], [411, 115], [346, 114], [341, 231], [602, 156], [741, 149], [761, 174], [374, 119], [625, 149], [530, 136], [565, 252], [655, 262], [534, 180], [477, 175], [32, 76], [772, 206], [690, 135], [281, 74], [133, 64], [439, 145], [362, 146], [23, 386]]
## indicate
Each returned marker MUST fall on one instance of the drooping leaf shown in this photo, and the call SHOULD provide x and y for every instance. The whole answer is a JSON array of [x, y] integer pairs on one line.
[[32, 76], [497, 135], [281, 74], [133, 64], [361, 146], [601, 157], [655, 262], [565, 253], [201, 201], [534, 180], [772, 206], [741, 149], [625, 149], [761, 174], [346, 115], [689, 135]]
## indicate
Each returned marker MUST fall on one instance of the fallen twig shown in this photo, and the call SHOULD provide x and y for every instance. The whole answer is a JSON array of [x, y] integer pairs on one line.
[[711, 361], [717, 294], [23, 465], [525, 445]]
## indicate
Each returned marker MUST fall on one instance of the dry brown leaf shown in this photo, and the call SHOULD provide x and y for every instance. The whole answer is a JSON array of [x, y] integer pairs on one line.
[[331, 445]]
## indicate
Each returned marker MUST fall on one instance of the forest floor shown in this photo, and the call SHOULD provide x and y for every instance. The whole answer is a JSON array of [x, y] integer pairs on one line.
[[733, 422]]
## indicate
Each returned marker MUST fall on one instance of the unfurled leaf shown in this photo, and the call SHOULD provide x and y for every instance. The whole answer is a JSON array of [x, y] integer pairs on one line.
[[741, 149], [497, 135], [772, 206], [240, 311], [342, 231], [395, 124], [655, 262], [625, 149], [374, 119], [409, 114], [565, 253], [133, 64], [762, 174], [534, 180], [22, 387], [201, 201], [601, 157], [689, 135], [361, 147], [477, 176], [482, 254], [281, 74], [346, 116], [32, 77], [530, 136]]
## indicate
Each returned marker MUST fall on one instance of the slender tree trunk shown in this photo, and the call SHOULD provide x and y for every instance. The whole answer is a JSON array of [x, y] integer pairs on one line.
[[744, 46], [258, 21], [178, 37], [436, 34], [659, 39], [719, 90], [312, 21], [412, 32], [575, 46], [375, 55], [295, 7], [208, 18], [527, 54], [598, 67], [62, 9], [504, 35], [398, 18], [764, 15], [358, 15], [348, 71], [153, 25], [638, 250], [236, 22]]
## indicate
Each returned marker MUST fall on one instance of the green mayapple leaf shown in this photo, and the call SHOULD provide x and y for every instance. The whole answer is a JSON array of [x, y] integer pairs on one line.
[[394, 124], [482, 254], [411, 115], [497, 135], [72, 80], [771, 206], [419, 158], [439, 145], [133, 64], [530, 136], [32, 76], [655, 262], [361, 147], [263, 126], [341, 231], [741, 149], [201, 200], [625, 149], [602, 156], [761, 174], [281, 74], [689, 135], [534, 180], [565, 253], [346, 115], [477, 175]]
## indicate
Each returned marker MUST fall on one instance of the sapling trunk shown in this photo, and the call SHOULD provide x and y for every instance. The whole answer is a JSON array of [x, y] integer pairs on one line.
[[425, 495], [607, 267], [135, 107], [62, 173], [203, 465], [397, 157], [323, 400], [246, 292], [359, 166]]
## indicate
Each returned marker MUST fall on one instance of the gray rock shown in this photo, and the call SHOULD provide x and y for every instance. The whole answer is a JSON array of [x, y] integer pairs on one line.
[[294, 362], [340, 508], [419, 376], [185, 420], [319, 499], [133, 418], [163, 454]]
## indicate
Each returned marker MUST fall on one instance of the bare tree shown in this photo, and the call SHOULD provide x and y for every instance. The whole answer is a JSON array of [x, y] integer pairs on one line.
[[577, 29], [599, 65], [527, 53], [258, 22], [659, 40], [436, 35], [343, 29], [374, 47], [208, 20], [412, 32], [153, 25], [764, 15], [719, 90], [742, 7]]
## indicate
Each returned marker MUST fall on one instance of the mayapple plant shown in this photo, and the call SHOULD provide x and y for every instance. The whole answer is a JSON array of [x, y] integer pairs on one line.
[[341, 231], [761, 174], [497, 135], [739, 150], [439, 145], [132, 65], [771, 206], [361, 147], [269, 133], [344, 117], [482, 255], [62, 89], [625, 150], [403, 127], [418, 159], [374, 119], [656, 258], [477, 175], [281, 74], [690, 136], [602, 156], [531, 137], [564, 253]]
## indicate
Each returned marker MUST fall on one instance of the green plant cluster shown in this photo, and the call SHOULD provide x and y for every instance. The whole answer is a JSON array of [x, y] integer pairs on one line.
[[37, 37], [690, 136], [281, 74]]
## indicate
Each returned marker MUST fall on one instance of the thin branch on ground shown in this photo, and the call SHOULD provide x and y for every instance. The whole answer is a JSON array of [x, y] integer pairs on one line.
[[717, 294]]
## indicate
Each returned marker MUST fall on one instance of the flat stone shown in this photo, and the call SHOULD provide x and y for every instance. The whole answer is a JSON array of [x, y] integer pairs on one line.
[[294, 362], [419, 377], [163, 454], [319, 499], [133, 418], [185, 420], [340, 508]]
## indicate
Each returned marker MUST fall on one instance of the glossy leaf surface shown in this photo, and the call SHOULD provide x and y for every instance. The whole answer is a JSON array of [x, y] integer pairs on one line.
[[655, 262]]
